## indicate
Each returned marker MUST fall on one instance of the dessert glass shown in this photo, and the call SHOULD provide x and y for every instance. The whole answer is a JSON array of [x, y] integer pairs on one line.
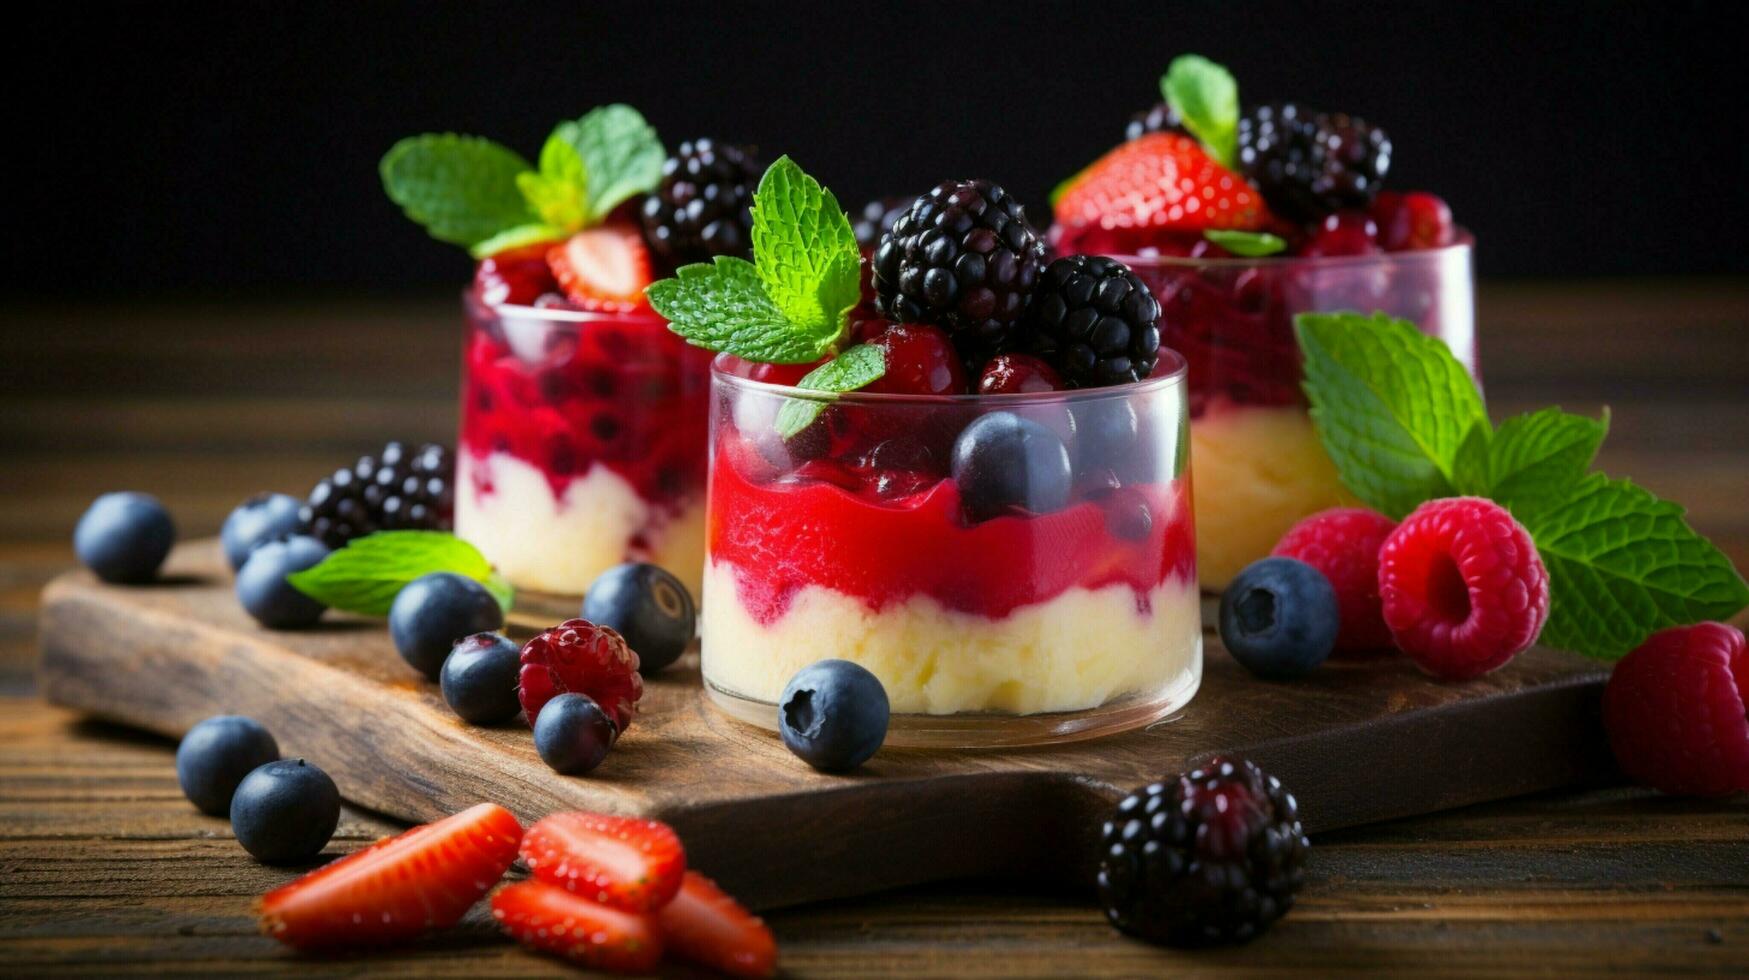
[[1259, 465], [850, 540], [582, 446]]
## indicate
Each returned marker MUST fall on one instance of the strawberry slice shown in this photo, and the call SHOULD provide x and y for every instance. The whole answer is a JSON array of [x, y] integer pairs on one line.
[[1162, 180], [552, 920], [706, 926], [626, 862], [397, 888], [604, 268]]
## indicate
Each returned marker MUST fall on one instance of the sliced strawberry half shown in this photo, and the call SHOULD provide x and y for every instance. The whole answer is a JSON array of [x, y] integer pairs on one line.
[[1164, 181], [397, 888], [552, 920], [706, 926], [604, 268], [626, 862]]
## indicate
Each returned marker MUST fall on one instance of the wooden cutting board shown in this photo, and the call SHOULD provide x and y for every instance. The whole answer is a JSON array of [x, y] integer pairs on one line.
[[1355, 742]]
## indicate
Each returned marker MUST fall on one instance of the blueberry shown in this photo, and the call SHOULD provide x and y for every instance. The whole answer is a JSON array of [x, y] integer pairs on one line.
[[285, 811], [649, 607], [263, 590], [833, 714], [256, 521], [433, 611], [1105, 434], [1002, 462], [216, 754], [124, 537], [572, 734], [1278, 617], [479, 678]]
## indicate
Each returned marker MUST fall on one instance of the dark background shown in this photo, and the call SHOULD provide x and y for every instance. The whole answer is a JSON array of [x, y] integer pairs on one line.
[[164, 150]]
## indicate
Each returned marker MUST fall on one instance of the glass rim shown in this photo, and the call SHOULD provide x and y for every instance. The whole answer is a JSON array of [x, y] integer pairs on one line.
[[1175, 377], [1466, 243], [557, 315]]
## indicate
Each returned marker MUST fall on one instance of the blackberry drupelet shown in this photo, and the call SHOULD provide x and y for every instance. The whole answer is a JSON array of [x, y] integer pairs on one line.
[[1161, 118], [961, 257], [1211, 857], [700, 209], [1094, 321], [877, 218], [1310, 163], [393, 491]]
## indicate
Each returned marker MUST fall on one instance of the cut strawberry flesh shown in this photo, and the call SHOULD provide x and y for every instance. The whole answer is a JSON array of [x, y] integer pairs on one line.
[[552, 920], [705, 925], [629, 863], [604, 268]]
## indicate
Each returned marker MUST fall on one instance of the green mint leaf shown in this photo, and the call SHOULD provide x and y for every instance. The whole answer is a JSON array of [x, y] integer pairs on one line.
[[1206, 97], [1391, 405], [805, 250], [558, 192], [1250, 244], [1535, 460], [1469, 470], [855, 368], [723, 307], [620, 155], [365, 576], [1622, 564], [516, 237], [463, 189]]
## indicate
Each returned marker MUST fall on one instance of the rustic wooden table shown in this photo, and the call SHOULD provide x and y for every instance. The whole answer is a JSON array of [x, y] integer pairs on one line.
[[105, 869]]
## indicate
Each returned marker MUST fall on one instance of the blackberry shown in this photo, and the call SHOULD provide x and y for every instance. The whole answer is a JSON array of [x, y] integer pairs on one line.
[[876, 218], [1213, 856], [961, 257], [392, 491], [1310, 163], [700, 208], [1094, 321], [1161, 118]]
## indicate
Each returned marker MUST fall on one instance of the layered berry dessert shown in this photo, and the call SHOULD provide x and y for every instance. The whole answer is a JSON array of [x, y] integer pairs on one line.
[[1237, 222], [583, 436], [963, 471]]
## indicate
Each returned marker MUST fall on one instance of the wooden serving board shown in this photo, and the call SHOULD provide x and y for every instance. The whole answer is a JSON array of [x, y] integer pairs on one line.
[[1355, 742]]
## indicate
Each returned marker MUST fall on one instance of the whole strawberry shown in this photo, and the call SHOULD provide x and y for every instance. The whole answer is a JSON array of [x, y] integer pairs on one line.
[[1160, 181], [1674, 709], [580, 657]]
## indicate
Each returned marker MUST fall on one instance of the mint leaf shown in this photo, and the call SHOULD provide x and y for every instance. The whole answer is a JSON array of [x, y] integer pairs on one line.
[[1250, 244], [1622, 564], [723, 307], [1535, 460], [557, 192], [855, 368], [804, 249], [1391, 405], [461, 188], [365, 576], [516, 237], [620, 155], [1206, 97]]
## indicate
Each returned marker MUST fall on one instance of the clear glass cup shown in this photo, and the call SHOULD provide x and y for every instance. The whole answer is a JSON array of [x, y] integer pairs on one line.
[[583, 445], [988, 623], [1259, 465]]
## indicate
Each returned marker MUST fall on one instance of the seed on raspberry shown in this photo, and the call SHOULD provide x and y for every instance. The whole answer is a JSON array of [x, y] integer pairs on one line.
[[580, 657], [1674, 709], [1344, 543], [1462, 587]]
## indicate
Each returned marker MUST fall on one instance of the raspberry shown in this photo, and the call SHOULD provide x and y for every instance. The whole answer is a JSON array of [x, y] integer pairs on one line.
[[1674, 711], [1344, 543], [1462, 586], [579, 656]]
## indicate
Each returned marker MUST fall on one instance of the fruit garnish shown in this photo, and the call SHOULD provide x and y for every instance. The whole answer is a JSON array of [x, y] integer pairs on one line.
[[518, 276], [833, 715], [1308, 163], [603, 269], [551, 920], [649, 607], [1344, 543], [700, 208], [705, 925], [398, 489], [626, 862], [433, 611], [1160, 181], [1674, 711], [1404, 424], [1343, 233], [1414, 220], [1008, 374], [580, 657], [365, 576], [285, 811], [124, 537], [396, 889], [1095, 321], [572, 734], [918, 360], [1278, 617]]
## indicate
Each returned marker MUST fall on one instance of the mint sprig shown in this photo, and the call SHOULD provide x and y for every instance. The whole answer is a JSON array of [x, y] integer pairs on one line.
[[1249, 244], [1206, 98], [366, 575], [724, 307], [463, 189], [857, 367], [621, 156], [1404, 424]]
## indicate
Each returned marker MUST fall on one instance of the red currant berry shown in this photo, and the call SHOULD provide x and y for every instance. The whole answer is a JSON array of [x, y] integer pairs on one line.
[[1008, 374]]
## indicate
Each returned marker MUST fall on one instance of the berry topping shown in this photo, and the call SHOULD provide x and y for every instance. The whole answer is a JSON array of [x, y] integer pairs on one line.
[[1344, 543], [919, 361], [573, 734], [124, 537], [626, 862], [519, 276], [262, 587], [399, 888], [1462, 586], [833, 715], [1279, 618], [701, 207], [393, 491], [649, 607], [1309, 163], [285, 811], [962, 256], [1004, 463], [551, 920], [1095, 322], [704, 925], [604, 268], [581, 657], [1213, 856], [1343, 233], [1411, 221], [1012, 374], [434, 611], [479, 679], [214, 757], [1159, 118], [256, 521], [877, 219], [1160, 181], [1674, 709]]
